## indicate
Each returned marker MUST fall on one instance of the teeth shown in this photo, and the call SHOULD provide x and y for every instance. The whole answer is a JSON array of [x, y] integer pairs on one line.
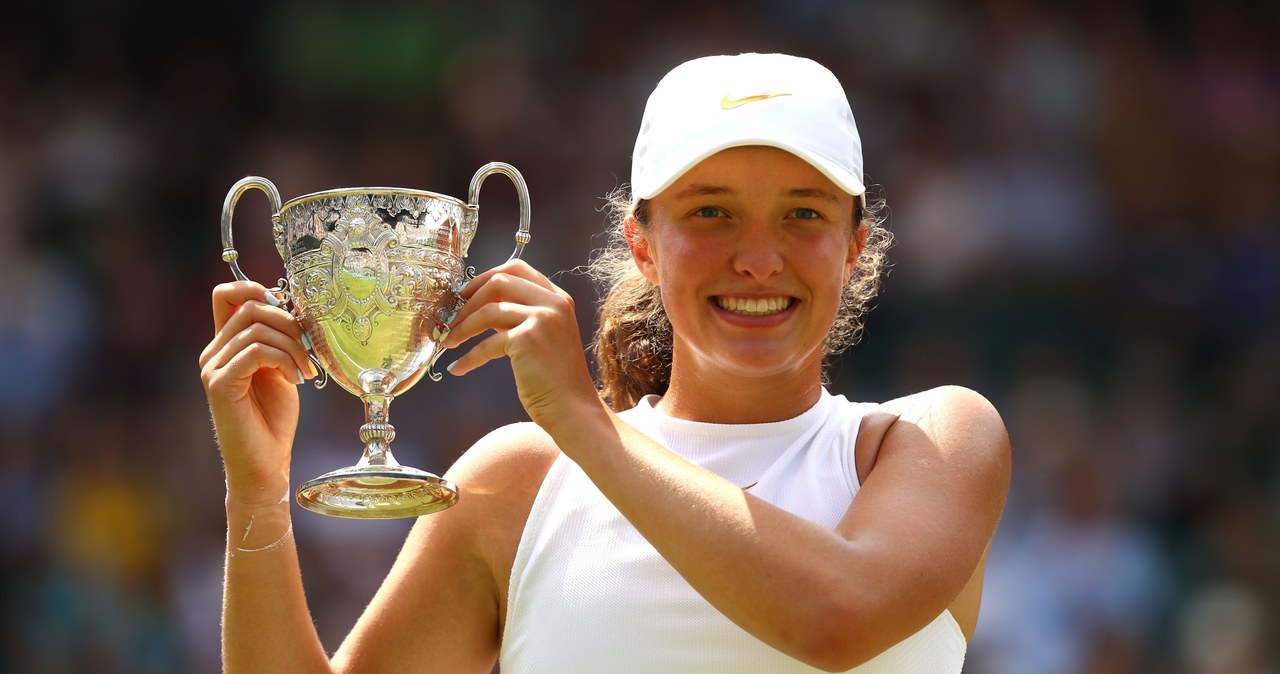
[[753, 306]]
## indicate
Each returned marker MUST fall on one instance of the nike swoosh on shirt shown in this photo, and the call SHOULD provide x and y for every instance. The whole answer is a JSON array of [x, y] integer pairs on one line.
[[727, 103]]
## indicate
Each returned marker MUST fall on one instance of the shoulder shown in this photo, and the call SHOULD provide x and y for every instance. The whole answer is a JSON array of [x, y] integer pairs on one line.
[[952, 423], [498, 479], [950, 409], [515, 452], [949, 400]]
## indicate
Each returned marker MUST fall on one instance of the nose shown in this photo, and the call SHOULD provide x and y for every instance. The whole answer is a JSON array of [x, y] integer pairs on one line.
[[757, 254]]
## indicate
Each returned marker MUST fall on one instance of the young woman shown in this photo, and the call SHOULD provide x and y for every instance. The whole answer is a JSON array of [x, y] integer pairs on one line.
[[711, 507]]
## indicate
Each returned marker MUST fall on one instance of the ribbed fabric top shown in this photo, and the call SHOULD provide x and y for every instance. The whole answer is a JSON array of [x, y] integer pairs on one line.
[[589, 594]]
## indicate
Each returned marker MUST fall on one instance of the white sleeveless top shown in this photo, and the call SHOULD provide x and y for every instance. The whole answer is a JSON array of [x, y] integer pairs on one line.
[[589, 594]]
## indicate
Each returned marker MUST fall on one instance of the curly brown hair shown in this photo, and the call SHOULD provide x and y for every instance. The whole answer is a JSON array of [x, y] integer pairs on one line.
[[632, 344]]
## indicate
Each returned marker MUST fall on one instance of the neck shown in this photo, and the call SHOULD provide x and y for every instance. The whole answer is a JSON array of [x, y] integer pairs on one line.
[[725, 399]]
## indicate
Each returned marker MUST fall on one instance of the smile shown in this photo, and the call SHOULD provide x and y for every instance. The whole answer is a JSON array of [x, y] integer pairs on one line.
[[750, 306]]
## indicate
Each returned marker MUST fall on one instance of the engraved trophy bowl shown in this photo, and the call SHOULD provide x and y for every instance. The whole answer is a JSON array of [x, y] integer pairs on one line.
[[372, 274]]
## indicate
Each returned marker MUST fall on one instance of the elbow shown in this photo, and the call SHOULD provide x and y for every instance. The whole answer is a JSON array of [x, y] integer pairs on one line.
[[832, 661], [839, 654], [837, 637]]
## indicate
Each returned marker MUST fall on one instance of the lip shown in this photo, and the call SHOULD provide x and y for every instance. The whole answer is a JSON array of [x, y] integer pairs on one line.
[[756, 321]]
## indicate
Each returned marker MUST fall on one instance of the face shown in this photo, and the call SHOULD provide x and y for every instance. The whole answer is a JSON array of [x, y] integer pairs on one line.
[[750, 249]]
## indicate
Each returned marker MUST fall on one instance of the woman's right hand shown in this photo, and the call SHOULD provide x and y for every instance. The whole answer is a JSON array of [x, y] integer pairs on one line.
[[250, 372]]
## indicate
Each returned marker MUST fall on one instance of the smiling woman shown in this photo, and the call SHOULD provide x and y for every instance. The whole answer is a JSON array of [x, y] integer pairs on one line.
[[748, 228], [613, 531], [633, 342], [684, 125]]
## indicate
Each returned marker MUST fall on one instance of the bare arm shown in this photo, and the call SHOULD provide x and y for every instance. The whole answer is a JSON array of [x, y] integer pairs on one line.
[[437, 610], [904, 550], [442, 606], [250, 372]]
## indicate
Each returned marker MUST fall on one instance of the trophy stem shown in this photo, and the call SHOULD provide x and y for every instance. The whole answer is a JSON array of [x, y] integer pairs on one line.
[[377, 433], [377, 486]]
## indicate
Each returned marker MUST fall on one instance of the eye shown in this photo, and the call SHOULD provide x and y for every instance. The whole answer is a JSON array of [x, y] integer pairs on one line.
[[806, 214], [708, 212]]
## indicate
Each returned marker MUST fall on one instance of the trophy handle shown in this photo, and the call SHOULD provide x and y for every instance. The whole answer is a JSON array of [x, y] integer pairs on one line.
[[473, 200], [470, 218], [229, 253], [231, 256]]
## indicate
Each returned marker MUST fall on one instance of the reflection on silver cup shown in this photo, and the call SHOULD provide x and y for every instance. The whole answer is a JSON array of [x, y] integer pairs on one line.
[[373, 275]]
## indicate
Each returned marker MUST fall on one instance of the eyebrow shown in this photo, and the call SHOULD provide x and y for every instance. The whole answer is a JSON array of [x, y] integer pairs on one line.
[[702, 190], [698, 190], [814, 193]]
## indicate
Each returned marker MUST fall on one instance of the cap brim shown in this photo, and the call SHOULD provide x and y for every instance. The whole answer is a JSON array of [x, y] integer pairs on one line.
[[834, 172]]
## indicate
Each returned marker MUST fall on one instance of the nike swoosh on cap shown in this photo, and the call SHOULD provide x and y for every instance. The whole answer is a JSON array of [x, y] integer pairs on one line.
[[727, 103]]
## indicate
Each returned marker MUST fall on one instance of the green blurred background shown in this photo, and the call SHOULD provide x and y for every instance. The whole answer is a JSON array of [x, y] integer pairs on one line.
[[1086, 200]]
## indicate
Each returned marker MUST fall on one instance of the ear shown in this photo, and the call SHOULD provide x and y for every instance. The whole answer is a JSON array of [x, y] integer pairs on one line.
[[641, 251], [856, 243]]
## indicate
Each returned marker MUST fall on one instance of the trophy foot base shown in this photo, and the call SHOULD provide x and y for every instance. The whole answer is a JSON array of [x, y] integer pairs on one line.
[[377, 492]]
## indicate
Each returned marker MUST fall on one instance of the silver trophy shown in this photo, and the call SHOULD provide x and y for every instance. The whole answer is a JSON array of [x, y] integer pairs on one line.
[[373, 275]]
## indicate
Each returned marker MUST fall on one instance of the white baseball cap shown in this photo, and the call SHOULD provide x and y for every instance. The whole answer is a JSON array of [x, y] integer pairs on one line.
[[713, 103]]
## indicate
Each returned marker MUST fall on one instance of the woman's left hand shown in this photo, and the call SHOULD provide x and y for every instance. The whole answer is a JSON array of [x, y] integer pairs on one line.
[[534, 325]]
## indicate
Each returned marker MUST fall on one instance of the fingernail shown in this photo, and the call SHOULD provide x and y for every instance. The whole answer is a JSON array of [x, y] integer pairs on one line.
[[449, 369], [271, 299], [301, 378], [306, 341]]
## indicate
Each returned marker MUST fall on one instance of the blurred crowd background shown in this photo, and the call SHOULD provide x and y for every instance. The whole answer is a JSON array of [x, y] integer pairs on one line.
[[1087, 215]]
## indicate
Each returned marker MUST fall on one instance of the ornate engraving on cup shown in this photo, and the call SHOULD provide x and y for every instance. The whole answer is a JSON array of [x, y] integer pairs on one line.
[[373, 276]]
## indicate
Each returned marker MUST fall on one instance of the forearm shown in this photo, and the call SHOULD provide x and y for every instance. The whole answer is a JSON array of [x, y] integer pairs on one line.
[[266, 626], [782, 578]]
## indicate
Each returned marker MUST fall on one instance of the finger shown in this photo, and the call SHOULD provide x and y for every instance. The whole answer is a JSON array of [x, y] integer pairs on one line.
[[245, 314], [490, 348], [261, 333], [227, 298], [243, 364], [485, 317], [517, 268], [249, 313], [500, 286]]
